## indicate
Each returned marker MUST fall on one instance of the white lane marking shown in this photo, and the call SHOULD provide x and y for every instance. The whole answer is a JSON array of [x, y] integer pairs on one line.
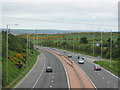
[[108, 82], [105, 70], [40, 74], [90, 80], [103, 78], [68, 80], [52, 81], [53, 73], [52, 76], [98, 73], [110, 73], [50, 86], [28, 72]]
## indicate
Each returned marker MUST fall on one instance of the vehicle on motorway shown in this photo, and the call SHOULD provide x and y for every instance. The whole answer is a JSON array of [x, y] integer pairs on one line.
[[81, 60], [69, 56], [49, 69], [97, 67], [53, 48], [65, 51], [37, 48]]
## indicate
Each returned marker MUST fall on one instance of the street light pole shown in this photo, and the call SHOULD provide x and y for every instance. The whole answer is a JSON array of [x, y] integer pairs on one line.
[[7, 32], [101, 44], [7, 52], [111, 50], [93, 43], [73, 42]]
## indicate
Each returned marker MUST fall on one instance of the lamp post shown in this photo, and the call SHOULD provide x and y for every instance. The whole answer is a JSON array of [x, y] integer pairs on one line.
[[111, 49], [93, 43], [101, 43], [7, 32], [73, 41]]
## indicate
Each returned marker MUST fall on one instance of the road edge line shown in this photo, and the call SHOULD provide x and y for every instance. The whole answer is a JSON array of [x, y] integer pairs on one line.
[[40, 74], [27, 73], [68, 80], [106, 70], [86, 75], [89, 79]]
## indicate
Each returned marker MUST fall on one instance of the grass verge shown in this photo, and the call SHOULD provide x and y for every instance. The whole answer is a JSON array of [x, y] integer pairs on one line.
[[15, 74]]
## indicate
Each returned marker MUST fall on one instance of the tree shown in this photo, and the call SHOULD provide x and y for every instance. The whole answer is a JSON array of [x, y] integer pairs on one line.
[[84, 40]]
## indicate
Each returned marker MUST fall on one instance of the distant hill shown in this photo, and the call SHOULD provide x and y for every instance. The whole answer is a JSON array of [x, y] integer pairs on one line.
[[45, 31]]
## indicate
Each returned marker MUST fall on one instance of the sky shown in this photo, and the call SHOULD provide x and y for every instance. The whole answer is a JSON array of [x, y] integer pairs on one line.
[[60, 14]]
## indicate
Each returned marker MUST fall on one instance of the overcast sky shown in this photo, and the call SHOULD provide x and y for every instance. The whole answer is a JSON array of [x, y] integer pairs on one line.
[[71, 13]]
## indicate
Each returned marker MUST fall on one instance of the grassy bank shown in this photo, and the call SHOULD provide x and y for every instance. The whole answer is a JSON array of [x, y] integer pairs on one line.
[[14, 71]]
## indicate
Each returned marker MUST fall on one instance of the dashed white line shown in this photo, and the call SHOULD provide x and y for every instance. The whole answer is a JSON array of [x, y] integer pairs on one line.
[[103, 78], [39, 76], [50, 86], [52, 81], [110, 73], [108, 82], [28, 72], [52, 76], [98, 73]]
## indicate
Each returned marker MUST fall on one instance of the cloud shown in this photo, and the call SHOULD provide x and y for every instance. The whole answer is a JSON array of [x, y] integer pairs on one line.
[[63, 11]]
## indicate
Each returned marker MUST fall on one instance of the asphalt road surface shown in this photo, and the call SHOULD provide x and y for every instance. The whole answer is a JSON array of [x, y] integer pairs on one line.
[[38, 78], [101, 79]]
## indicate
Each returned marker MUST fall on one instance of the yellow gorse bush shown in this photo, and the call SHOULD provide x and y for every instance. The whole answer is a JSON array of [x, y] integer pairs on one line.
[[13, 60], [50, 37], [20, 56]]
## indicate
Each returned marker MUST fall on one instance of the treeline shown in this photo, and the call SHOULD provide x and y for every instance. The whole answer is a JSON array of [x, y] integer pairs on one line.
[[84, 45], [17, 44]]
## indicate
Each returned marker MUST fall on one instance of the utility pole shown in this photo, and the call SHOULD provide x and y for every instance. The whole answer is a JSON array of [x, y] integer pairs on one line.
[[101, 44], [7, 33], [93, 43], [111, 50], [27, 47], [73, 42], [7, 53]]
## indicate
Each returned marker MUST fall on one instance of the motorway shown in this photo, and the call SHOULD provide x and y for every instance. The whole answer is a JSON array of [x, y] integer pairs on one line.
[[101, 79], [38, 78]]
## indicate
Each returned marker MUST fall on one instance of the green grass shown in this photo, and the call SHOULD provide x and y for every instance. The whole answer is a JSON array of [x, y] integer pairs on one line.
[[106, 64], [14, 72], [31, 63]]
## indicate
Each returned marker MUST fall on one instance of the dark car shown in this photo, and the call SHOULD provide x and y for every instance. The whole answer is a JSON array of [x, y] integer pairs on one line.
[[69, 56], [97, 67], [37, 48], [49, 69], [53, 48]]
